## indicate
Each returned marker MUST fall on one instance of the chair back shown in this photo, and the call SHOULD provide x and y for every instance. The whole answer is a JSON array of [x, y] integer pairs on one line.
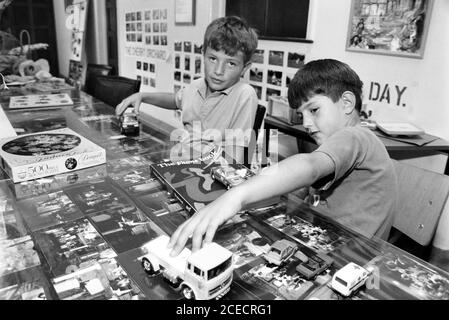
[[258, 120], [94, 70], [422, 197], [113, 89]]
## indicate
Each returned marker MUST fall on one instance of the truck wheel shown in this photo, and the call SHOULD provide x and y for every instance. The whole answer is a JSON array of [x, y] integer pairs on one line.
[[148, 267], [188, 293]]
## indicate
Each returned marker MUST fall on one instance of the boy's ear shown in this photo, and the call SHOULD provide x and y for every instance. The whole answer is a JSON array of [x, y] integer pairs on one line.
[[246, 67], [349, 101]]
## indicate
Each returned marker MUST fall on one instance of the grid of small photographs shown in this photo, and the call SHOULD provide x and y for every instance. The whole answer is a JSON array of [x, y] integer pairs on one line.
[[148, 27], [146, 73], [188, 63], [272, 71]]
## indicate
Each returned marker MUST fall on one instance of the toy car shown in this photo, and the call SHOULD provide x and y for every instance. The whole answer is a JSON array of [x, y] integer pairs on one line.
[[314, 265], [231, 176], [348, 279], [280, 251], [129, 123]]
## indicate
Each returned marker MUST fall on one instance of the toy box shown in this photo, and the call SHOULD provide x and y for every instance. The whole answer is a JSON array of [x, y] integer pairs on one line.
[[48, 153]]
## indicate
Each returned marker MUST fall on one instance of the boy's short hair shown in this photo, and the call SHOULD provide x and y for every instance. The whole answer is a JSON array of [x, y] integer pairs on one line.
[[327, 77], [231, 34]]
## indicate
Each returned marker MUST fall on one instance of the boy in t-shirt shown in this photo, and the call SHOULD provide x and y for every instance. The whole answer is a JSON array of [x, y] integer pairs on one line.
[[219, 101], [351, 175]]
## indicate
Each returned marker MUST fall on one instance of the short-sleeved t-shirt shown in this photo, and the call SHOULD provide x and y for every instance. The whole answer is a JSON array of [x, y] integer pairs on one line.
[[362, 193], [233, 108]]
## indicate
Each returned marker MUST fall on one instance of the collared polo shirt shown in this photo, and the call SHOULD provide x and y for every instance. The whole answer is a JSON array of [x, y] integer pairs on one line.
[[233, 108]]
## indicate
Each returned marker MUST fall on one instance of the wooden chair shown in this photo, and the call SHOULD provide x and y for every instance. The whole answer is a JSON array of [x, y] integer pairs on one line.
[[113, 89], [258, 120], [422, 198]]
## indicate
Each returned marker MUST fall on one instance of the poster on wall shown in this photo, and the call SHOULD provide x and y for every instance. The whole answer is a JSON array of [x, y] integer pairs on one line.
[[146, 33], [393, 27]]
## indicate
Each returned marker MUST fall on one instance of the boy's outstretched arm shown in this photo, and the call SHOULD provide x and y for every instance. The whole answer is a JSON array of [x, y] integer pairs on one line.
[[164, 100], [292, 173]]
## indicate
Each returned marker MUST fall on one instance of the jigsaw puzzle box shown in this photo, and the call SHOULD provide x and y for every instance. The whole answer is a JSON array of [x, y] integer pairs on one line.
[[48, 153]]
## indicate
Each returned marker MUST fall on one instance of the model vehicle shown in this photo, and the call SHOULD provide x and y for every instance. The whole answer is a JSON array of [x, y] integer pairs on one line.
[[231, 176], [280, 251], [128, 122], [203, 275], [314, 265], [348, 279]]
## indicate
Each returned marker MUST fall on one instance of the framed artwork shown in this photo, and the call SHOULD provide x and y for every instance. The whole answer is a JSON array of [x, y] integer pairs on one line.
[[390, 27], [185, 12]]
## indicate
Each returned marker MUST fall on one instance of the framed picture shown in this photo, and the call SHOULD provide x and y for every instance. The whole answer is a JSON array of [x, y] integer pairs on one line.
[[185, 12], [392, 27]]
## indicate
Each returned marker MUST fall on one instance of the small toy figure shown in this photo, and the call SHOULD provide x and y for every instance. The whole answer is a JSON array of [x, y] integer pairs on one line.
[[129, 123]]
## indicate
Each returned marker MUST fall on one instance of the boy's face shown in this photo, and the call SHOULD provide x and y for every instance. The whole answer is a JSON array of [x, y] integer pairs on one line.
[[322, 117], [221, 70]]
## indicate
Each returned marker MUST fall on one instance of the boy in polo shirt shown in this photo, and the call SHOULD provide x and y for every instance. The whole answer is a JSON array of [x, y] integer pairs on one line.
[[351, 174], [213, 105]]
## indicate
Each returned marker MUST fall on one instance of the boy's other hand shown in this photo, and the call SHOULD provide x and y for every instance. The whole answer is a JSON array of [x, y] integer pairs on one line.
[[133, 100], [205, 223]]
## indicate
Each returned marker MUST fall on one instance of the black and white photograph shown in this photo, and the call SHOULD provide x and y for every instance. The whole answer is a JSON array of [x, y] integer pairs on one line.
[[123, 229], [48, 210], [274, 77], [276, 58], [258, 56], [256, 74], [286, 156], [295, 60]]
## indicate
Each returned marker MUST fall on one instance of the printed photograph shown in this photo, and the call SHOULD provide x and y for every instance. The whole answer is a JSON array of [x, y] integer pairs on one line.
[[244, 241], [198, 48], [71, 246], [256, 74], [48, 210], [276, 58], [97, 197], [18, 254], [187, 46], [274, 78], [11, 223], [311, 235], [258, 56], [178, 45], [124, 229], [105, 280], [295, 60]]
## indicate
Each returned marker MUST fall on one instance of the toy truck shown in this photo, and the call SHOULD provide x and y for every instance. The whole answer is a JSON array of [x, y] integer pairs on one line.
[[203, 275], [348, 279], [280, 251], [312, 266], [129, 123], [231, 176]]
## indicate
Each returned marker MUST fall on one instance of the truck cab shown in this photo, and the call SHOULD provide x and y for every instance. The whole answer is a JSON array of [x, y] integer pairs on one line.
[[204, 275]]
